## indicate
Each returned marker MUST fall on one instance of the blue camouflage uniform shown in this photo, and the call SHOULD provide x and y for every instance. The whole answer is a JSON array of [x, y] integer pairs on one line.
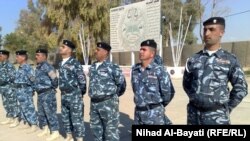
[[72, 83], [24, 81], [7, 77], [206, 80], [106, 84], [158, 60], [46, 82], [153, 90]]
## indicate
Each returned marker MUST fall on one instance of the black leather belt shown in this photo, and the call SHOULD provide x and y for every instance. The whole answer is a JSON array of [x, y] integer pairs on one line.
[[21, 85], [206, 109], [97, 100], [148, 107], [43, 90]]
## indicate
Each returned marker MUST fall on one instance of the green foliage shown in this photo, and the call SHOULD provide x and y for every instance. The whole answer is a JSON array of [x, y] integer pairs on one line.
[[50, 21], [66, 16], [171, 9]]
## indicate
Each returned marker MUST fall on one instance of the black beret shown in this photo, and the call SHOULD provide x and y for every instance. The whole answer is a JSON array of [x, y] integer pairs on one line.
[[41, 50], [5, 52], [104, 46], [21, 52], [69, 44], [150, 43], [214, 20]]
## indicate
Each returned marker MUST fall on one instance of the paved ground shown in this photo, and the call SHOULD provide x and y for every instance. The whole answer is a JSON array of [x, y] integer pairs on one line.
[[176, 111]]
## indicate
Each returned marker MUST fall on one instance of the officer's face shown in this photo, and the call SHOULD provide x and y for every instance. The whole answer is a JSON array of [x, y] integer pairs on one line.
[[146, 53], [20, 59], [40, 57], [212, 34], [3, 57], [100, 54], [64, 50]]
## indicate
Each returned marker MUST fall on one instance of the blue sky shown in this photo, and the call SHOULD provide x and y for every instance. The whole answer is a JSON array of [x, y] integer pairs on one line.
[[9, 13], [237, 26]]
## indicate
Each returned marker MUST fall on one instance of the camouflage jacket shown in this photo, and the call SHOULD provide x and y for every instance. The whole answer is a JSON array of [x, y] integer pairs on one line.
[[206, 79], [25, 75], [107, 79], [45, 76], [71, 76], [7, 73], [151, 85]]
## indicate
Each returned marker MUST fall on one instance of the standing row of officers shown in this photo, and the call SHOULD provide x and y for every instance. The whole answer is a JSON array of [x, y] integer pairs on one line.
[[205, 81]]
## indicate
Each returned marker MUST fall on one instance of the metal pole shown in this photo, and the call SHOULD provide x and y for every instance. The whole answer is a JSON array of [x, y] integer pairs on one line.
[[132, 58], [160, 49], [110, 57]]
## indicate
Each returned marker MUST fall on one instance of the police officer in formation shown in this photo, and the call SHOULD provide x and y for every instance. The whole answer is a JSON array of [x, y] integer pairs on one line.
[[24, 80], [7, 77], [152, 87], [72, 83], [206, 79], [106, 84], [46, 82]]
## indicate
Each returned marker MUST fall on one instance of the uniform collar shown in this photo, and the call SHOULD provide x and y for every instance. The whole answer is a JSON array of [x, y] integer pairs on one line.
[[150, 66], [40, 64], [20, 66], [105, 62], [218, 53], [5, 62]]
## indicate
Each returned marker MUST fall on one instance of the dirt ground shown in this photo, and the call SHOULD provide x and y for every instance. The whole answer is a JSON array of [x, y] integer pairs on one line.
[[176, 111]]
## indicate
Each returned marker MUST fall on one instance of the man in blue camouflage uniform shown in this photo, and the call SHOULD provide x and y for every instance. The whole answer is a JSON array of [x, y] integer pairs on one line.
[[7, 77], [106, 84], [24, 80], [152, 87], [46, 82], [206, 79], [72, 83]]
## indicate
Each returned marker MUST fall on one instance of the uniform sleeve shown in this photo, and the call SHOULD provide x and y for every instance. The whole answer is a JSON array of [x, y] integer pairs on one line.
[[166, 87], [10, 74], [239, 86], [81, 78], [53, 77], [187, 78], [120, 80], [31, 76]]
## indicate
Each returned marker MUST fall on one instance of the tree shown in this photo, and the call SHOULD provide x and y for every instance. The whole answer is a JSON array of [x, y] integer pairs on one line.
[[66, 17], [29, 33], [171, 10], [14, 42]]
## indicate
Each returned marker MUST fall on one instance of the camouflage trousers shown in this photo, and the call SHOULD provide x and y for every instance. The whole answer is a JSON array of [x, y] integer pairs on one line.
[[196, 116], [104, 120], [72, 113], [47, 107], [9, 101], [27, 108], [154, 116]]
